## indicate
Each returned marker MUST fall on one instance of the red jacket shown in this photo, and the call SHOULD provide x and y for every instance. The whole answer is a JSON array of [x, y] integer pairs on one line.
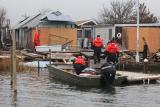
[[98, 42], [112, 48], [37, 39], [80, 60]]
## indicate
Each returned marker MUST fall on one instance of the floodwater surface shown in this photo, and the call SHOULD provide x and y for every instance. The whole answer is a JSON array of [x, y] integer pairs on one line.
[[37, 90]]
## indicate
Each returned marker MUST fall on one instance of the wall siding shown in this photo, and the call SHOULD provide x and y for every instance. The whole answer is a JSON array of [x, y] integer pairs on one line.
[[151, 34], [45, 39]]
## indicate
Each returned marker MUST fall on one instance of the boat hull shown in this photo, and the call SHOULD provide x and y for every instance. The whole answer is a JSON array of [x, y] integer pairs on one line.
[[71, 78]]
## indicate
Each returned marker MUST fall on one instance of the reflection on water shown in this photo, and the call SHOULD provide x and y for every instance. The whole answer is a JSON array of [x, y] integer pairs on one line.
[[35, 90]]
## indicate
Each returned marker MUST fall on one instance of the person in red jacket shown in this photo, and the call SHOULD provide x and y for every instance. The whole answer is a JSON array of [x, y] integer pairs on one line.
[[79, 64], [112, 51], [97, 46], [37, 38]]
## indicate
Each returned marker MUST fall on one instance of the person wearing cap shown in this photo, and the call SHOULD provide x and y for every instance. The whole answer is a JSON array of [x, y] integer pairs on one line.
[[97, 46]]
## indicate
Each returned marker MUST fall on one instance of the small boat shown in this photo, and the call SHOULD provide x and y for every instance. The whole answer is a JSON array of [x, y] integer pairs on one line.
[[65, 73]]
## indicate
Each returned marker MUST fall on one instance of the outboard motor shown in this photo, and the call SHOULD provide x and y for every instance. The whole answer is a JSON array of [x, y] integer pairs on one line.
[[108, 72]]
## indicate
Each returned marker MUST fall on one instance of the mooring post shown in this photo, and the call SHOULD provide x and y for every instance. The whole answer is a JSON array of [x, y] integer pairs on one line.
[[143, 81], [145, 65], [119, 61], [49, 56], [38, 66], [11, 68], [13, 63], [148, 80]]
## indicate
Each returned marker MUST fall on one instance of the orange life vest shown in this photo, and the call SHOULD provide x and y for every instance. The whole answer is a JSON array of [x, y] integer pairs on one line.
[[98, 42], [112, 48], [80, 60]]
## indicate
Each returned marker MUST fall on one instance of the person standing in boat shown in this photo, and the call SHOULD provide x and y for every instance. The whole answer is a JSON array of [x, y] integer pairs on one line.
[[79, 64], [112, 51], [97, 46]]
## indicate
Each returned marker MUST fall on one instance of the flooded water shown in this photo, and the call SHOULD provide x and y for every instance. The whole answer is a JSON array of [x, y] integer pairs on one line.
[[35, 90]]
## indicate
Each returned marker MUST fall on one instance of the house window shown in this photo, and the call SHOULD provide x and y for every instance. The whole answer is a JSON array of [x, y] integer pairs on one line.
[[79, 34], [110, 34]]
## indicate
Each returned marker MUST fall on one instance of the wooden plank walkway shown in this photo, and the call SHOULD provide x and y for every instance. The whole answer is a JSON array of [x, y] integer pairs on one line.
[[58, 55], [131, 77], [32, 55], [135, 76]]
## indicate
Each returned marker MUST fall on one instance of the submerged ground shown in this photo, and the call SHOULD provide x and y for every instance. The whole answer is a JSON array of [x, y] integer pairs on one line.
[[38, 90]]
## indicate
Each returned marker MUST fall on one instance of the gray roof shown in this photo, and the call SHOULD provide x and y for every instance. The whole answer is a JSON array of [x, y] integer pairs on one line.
[[37, 19], [83, 22], [24, 21], [34, 22], [57, 16]]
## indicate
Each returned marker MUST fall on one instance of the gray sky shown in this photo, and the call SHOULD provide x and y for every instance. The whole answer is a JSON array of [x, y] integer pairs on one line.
[[77, 9]]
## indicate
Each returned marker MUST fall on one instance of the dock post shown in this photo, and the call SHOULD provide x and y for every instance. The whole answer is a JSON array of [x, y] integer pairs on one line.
[[143, 82], [49, 56], [145, 65], [148, 80], [123, 66], [13, 64], [38, 67], [11, 67]]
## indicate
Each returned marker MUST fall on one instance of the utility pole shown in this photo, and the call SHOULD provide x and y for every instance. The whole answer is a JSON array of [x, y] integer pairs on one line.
[[137, 46], [13, 63]]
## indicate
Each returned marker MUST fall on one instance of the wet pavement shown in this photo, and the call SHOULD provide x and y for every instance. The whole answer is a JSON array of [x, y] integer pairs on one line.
[[38, 90]]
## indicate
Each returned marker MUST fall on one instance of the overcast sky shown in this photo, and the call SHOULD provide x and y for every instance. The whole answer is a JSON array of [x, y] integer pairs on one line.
[[77, 9]]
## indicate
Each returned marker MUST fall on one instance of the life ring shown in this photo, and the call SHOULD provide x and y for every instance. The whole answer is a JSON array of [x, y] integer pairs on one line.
[[119, 35]]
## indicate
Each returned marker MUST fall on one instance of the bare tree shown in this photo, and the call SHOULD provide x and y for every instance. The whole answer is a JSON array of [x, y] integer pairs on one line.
[[122, 12], [2, 20], [145, 15], [119, 12]]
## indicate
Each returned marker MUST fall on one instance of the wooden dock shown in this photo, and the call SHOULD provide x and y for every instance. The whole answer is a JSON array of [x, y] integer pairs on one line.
[[136, 77], [32, 55], [131, 77]]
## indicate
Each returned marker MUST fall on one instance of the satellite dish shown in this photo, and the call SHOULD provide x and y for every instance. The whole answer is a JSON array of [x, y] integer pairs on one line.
[[119, 35]]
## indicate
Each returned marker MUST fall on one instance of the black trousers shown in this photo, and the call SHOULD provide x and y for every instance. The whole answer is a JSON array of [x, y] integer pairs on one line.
[[78, 68], [111, 57], [97, 55]]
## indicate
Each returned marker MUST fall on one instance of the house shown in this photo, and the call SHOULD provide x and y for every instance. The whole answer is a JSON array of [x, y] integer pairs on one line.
[[151, 32], [90, 29], [55, 28], [85, 29], [106, 31], [5, 36]]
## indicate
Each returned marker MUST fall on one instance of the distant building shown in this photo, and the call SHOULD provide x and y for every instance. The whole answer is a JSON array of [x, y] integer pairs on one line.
[[151, 32], [5, 36], [90, 29], [55, 28], [85, 29], [106, 31]]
